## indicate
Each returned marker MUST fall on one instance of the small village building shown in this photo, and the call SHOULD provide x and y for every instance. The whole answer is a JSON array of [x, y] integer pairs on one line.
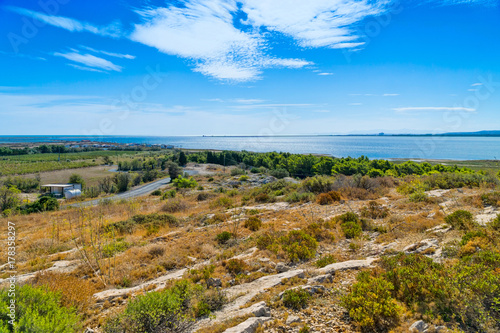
[[64, 190]]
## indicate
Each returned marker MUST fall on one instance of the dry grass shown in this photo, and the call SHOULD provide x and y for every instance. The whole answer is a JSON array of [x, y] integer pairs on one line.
[[175, 247]]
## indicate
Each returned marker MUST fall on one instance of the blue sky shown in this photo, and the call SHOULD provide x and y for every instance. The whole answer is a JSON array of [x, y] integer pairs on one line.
[[249, 67]]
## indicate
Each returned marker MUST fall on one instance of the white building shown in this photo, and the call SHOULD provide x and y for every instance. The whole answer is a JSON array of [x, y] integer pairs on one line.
[[66, 190]]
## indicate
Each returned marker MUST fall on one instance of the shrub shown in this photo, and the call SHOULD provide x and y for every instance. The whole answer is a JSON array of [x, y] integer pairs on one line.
[[77, 179], [279, 173], [170, 310], [37, 310], [263, 197], [212, 299], [298, 245], [350, 224], [204, 196], [156, 251], [156, 193], [237, 172], [181, 182], [223, 237], [115, 247], [374, 211], [491, 199], [296, 299], [495, 224], [324, 199], [235, 266], [370, 303], [174, 206], [300, 197], [221, 202], [318, 184], [44, 204], [253, 223], [328, 198], [418, 197], [325, 261], [255, 170], [461, 220], [351, 229], [243, 178], [197, 275], [169, 194], [319, 232]]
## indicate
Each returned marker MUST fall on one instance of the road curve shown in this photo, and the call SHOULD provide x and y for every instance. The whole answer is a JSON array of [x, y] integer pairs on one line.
[[135, 192]]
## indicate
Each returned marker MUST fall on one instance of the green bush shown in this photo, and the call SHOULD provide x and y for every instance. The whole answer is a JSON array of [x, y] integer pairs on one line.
[[318, 184], [243, 178], [491, 199], [223, 237], [300, 197], [253, 223], [205, 273], [237, 172], [495, 224], [296, 299], [418, 197], [298, 245], [77, 179], [279, 173], [222, 202], [115, 247], [171, 310], [181, 182], [156, 193], [36, 310], [169, 194], [461, 220], [371, 305], [44, 204], [350, 224], [325, 261], [235, 266]]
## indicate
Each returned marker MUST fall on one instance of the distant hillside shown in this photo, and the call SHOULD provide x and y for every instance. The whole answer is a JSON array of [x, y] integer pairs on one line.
[[479, 133]]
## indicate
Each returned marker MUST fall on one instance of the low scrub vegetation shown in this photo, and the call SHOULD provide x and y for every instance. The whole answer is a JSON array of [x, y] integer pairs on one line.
[[171, 310]]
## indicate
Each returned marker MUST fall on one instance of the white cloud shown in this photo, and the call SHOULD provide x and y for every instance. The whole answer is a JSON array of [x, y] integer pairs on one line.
[[111, 54], [325, 74], [390, 95], [476, 84], [112, 30], [90, 61], [433, 108], [88, 69], [204, 31], [313, 23], [248, 101]]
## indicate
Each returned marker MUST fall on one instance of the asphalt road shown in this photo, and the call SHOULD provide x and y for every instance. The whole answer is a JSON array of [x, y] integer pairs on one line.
[[135, 192]]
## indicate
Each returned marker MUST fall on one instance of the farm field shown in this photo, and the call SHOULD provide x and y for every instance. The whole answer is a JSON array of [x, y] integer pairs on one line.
[[37, 163]]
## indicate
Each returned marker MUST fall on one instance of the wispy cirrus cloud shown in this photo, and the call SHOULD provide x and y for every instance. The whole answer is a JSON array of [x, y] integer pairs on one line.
[[88, 69], [113, 30], [111, 54], [89, 61], [433, 108]]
